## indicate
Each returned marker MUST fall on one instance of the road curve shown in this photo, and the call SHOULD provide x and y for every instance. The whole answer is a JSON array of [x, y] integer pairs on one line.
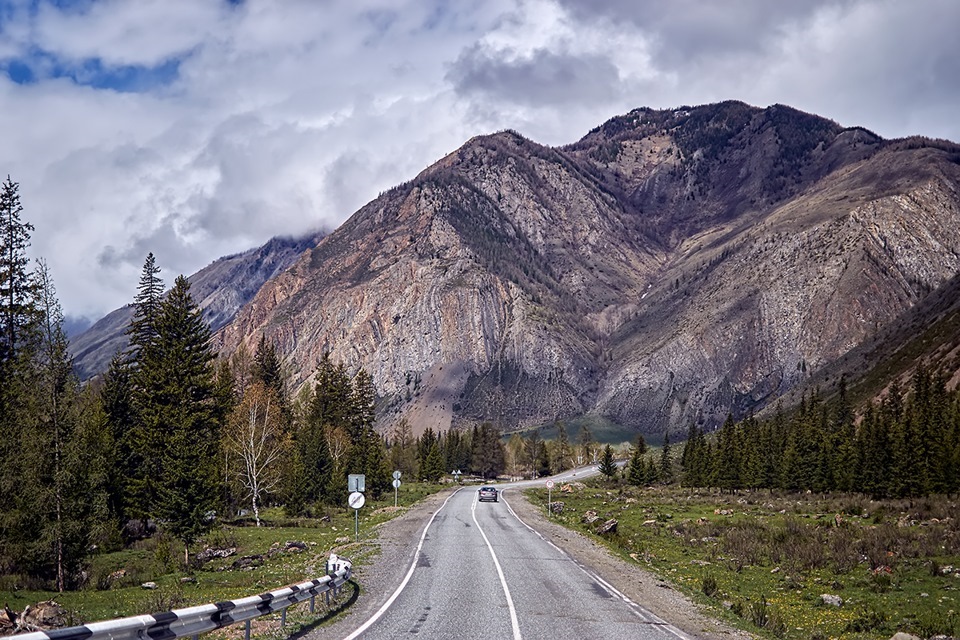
[[481, 572]]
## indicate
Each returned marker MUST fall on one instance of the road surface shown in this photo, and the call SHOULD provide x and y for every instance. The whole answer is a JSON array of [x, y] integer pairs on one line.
[[480, 572]]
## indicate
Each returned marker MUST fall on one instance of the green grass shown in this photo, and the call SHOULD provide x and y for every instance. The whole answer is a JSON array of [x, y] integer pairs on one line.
[[761, 561], [160, 560]]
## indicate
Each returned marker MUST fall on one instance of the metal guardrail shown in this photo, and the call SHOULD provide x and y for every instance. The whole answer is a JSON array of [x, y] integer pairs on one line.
[[193, 621]]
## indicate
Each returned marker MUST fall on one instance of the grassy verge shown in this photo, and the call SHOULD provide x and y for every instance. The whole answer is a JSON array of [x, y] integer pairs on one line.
[[113, 590], [764, 561]]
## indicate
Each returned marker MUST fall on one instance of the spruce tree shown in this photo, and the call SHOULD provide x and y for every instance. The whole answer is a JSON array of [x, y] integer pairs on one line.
[[19, 289], [608, 466], [666, 461], [180, 414], [636, 474], [146, 307]]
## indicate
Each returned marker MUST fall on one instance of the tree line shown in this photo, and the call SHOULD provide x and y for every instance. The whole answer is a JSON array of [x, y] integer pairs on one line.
[[171, 437], [906, 444]]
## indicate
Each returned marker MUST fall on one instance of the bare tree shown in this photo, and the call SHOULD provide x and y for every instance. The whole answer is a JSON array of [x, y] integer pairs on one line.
[[257, 439]]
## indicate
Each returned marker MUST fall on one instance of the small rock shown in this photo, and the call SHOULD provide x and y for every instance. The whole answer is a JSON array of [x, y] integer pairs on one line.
[[117, 575], [589, 517], [831, 600], [187, 580], [342, 540], [775, 570], [900, 635], [148, 585], [556, 506], [649, 523]]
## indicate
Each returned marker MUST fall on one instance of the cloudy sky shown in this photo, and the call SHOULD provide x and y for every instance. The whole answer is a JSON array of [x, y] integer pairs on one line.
[[199, 128]]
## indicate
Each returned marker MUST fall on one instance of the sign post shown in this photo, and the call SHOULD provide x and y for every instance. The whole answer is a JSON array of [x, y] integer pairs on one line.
[[396, 486], [456, 476], [549, 499], [356, 484]]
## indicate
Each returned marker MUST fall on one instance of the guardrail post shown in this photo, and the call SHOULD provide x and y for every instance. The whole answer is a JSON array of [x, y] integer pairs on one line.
[[246, 630], [283, 617], [313, 603]]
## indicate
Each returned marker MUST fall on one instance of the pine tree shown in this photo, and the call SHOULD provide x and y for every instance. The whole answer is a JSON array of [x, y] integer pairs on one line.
[[561, 457], [666, 461], [487, 451], [636, 474], [266, 368], [19, 289], [608, 466], [66, 530], [432, 468], [146, 307], [116, 402], [180, 412]]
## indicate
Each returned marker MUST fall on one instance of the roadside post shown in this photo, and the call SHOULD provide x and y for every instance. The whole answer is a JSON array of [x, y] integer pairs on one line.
[[456, 476], [549, 499], [356, 485], [396, 486]]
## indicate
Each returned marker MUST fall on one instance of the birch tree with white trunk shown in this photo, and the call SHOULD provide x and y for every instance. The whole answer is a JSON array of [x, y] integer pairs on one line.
[[257, 440]]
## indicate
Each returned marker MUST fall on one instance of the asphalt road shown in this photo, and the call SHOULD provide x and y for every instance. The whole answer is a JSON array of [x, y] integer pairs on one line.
[[480, 572]]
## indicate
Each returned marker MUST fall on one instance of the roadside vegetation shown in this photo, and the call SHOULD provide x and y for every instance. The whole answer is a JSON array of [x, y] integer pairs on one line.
[[235, 560], [785, 565]]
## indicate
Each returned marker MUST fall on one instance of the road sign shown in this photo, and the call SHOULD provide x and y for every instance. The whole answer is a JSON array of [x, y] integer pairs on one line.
[[356, 500], [549, 484], [396, 484], [396, 475], [356, 482]]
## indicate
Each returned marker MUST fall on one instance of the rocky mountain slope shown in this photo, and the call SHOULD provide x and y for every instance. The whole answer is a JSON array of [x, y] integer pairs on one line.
[[220, 288], [669, 267]]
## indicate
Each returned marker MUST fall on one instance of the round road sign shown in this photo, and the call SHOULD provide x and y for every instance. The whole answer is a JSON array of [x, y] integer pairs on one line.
[[549, 484], [356, 500], [396, 484], [396, 475]]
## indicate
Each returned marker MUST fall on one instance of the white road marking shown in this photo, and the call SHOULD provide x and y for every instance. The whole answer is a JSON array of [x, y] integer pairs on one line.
[[637, 609], [503, 579], [413, 565]]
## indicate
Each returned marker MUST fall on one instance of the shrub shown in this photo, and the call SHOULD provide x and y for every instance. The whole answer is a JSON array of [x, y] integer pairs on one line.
[[867, 619], [709, 586]]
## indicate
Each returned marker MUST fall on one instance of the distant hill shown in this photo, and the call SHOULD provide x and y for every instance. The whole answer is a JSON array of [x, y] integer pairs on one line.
[[220, 289]]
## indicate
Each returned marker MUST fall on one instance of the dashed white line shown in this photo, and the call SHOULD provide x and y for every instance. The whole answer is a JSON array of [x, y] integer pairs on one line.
[[638, 610]]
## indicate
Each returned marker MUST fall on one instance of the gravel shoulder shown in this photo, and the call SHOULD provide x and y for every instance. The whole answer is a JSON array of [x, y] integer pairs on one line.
[[388, 555]]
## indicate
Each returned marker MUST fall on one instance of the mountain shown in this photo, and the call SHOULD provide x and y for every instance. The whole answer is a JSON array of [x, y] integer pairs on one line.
[[670, 267], [221, 289]]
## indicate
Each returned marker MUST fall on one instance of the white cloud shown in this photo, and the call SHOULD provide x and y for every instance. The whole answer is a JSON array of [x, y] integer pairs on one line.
[[282, 117]]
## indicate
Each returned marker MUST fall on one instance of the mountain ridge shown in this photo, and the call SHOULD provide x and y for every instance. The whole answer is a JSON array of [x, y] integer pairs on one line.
[[540, 268]]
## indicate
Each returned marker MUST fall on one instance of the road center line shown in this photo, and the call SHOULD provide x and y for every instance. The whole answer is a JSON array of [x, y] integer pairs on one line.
[[503, 580], [413, 565]]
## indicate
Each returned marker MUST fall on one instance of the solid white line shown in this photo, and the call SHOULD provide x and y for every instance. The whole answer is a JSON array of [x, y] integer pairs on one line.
[[503, 579], [413, 565]]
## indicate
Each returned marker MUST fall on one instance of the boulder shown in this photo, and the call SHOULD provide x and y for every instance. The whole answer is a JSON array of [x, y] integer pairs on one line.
[[246, 563], [556, 506], [149, 585], [610, 526], [589, 517]]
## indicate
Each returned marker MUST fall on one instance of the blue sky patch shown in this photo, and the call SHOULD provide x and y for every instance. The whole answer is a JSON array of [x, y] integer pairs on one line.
[[92, 73]]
